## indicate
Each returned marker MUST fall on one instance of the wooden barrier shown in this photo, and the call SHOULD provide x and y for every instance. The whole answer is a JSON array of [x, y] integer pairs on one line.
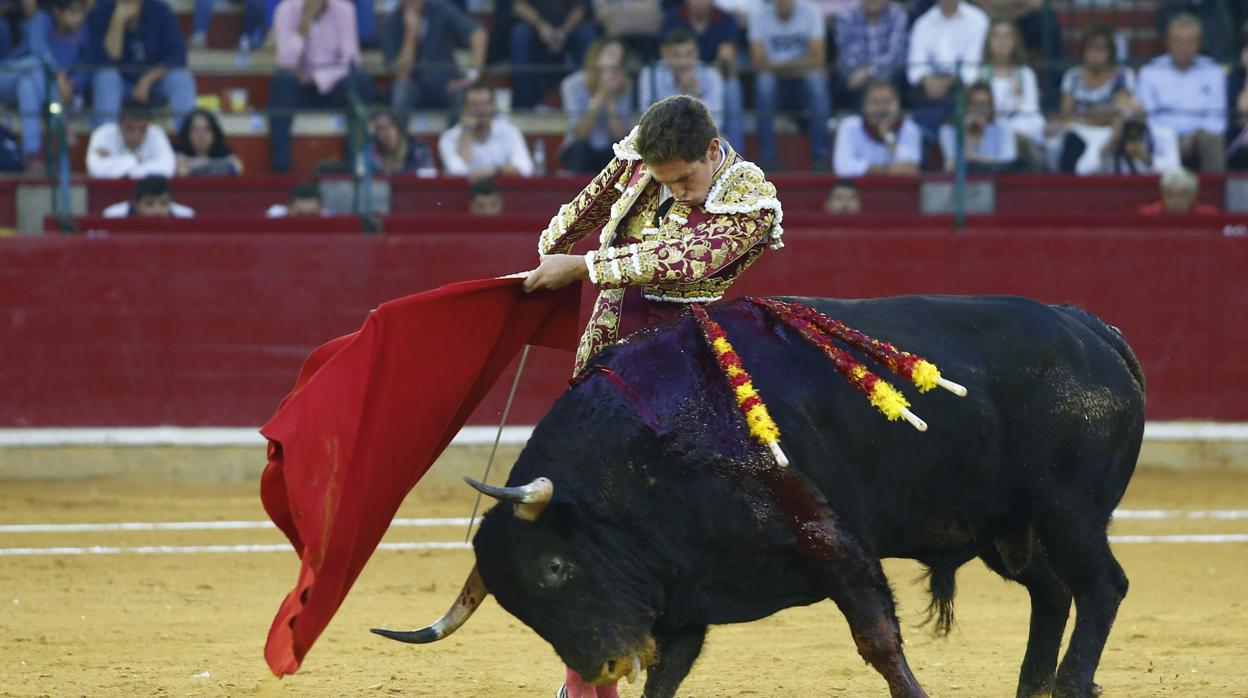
[[211, 329]]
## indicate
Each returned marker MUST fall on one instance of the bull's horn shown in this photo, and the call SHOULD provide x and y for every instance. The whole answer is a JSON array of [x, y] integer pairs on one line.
[[530, 499], [473, 594]]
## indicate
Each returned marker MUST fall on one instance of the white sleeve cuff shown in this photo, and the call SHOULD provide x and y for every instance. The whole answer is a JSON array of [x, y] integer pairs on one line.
[[589, 264]]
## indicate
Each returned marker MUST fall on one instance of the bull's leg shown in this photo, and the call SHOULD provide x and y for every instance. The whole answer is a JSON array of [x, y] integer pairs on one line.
[[1050, 609], [857, 584], [677, 651], [1081, 557]]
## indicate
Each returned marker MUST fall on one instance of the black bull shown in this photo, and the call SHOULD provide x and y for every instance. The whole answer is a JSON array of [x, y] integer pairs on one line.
[[665, 516]]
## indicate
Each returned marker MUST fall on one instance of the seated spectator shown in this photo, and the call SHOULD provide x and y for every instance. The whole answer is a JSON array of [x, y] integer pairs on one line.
[[24, 87], [1179, 188], [950, 34], [717, 35], [54, 36], [1136, 144], [132, 147], [680, 73], [1034, 20], [1087, 110], [788, 55], [987, 141], [545, 33], [136, 49], [881, 140], [152, 198], [1015, 93], [1186, 92], [485, 198], [598, 100], [201, 148], [1088, 89], [1237, 137], [483, 144], [394, 153], [1237, 110], [871, 45], [317, 54], [254, 24], [1219, 22], [418, 41], [58, 36], [843, 198], [304, 200]]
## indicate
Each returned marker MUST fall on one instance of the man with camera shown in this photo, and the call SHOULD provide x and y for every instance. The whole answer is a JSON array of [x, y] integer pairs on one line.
[[1138, 146]]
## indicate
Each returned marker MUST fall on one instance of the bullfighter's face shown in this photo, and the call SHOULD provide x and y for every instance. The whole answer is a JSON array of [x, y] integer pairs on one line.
[[689, 182], [581, 585]]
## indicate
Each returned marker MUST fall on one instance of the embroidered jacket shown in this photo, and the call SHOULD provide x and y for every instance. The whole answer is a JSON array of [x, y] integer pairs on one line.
[[691, 256]]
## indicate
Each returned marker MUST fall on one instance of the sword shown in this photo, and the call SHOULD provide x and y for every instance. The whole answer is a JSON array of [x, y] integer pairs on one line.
[[515, 383]]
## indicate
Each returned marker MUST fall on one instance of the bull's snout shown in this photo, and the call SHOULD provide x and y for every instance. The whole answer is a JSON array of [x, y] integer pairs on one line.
[[615, 669], [628, 666]]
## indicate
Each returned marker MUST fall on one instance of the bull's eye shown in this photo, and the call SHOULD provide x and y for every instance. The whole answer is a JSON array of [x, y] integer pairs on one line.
[[555, 572]]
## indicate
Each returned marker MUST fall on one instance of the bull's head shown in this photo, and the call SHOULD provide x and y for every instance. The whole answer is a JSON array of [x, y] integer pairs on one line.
[[546, 567]]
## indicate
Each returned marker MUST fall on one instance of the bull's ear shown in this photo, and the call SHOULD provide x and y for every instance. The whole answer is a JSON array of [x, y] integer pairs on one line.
[[530, 499]]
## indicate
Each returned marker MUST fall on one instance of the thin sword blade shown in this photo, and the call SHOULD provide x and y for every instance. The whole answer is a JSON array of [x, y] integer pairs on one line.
[[489, 464]]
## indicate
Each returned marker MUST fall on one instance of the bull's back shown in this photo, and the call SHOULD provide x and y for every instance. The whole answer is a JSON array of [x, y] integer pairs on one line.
[[1050, 399]]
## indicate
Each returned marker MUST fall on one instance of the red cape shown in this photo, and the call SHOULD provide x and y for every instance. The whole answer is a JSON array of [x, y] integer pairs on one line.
[[370, 412]]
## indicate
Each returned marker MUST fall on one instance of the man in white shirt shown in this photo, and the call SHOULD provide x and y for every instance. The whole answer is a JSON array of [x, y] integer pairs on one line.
[[483, 144], [132, 147], [1186, 92], [880, 141], [948, 36], [788, 52]]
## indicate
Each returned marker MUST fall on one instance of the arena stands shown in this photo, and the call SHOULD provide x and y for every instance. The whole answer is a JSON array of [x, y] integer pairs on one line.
[[231, 76]]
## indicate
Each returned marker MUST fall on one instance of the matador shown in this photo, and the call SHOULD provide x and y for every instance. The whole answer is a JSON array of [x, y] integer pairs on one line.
[[679, 215]]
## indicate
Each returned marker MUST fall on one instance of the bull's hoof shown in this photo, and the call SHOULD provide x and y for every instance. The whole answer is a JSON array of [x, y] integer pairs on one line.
[[1097, 690]]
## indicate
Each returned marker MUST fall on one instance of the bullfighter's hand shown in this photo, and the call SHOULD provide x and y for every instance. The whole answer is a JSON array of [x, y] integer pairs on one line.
[[556, 271]]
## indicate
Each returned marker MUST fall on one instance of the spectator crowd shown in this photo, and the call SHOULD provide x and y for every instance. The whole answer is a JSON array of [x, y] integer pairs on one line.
[[876, 86]]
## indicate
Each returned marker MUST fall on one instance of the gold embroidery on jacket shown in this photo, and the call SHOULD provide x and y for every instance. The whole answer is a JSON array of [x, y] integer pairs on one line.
[[693, 255]]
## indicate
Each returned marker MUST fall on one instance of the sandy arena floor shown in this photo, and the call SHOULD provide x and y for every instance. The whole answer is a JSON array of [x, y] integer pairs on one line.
[[134, 624]]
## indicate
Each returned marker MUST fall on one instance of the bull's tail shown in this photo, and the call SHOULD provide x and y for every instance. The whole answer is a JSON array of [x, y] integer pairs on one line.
[[942, 584], [1112, 335]]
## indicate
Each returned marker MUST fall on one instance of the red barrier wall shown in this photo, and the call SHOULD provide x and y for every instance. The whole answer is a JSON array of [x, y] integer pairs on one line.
[[202, 330]]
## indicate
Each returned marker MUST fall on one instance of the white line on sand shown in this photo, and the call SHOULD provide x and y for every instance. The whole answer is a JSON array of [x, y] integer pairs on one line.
[[196, 549], [1121, 514], [1184, 538], [1224, 514], [191, 526], [245, 437], [467, 436], [456, 545]]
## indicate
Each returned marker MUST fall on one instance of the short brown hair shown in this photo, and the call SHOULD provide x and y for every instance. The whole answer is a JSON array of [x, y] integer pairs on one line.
[[678, 127], [1099, 32]]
